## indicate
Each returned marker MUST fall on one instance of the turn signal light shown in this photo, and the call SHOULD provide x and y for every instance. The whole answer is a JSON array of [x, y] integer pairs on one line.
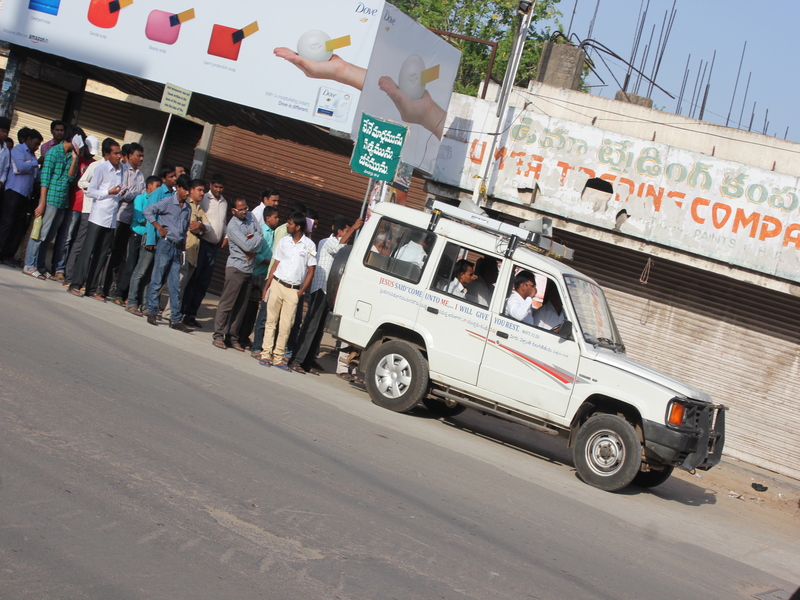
[[676, 411]]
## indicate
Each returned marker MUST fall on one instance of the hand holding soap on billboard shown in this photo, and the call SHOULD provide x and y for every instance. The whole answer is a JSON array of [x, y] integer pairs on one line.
[[421, 110]]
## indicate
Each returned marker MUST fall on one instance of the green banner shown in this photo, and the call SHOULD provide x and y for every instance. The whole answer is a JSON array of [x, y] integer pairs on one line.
[[377, 150]]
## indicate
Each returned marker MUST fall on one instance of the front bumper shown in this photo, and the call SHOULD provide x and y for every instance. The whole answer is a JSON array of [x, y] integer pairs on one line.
[[697, 444]]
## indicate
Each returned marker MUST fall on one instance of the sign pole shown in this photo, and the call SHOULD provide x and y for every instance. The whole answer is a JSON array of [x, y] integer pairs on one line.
[[157, 164]]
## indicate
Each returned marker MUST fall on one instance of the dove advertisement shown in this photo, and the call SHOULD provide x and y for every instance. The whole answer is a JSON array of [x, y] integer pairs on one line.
[[292, 58]]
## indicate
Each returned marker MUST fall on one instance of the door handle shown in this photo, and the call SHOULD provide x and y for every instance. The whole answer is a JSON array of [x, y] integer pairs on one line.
[[502, 334], [433, 310]]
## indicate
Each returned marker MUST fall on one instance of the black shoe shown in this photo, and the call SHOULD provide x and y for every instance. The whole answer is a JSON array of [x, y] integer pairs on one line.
[[152, 319], [192, 322], [180, 327]]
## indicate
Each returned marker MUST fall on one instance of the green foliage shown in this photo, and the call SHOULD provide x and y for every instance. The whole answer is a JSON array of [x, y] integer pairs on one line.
[[494, 20]]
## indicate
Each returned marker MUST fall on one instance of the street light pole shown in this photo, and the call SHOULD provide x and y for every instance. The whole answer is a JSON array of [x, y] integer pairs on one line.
[[526, 9]]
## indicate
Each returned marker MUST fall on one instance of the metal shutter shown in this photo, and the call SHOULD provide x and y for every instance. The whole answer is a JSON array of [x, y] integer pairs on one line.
[[735, 340], [38, 104], [104, 117]]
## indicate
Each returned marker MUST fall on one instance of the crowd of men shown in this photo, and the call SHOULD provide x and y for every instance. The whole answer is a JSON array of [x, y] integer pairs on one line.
[[150, 244]]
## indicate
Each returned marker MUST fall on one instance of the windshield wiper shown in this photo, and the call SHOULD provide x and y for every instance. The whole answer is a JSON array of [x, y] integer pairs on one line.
[[616, 346]]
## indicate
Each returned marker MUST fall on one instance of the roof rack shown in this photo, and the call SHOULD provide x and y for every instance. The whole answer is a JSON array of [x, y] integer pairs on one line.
[[517, 235]]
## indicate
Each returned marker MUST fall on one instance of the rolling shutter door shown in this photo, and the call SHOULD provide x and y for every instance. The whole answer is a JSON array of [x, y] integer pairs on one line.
[[104, 117], [38, 104], [735, 340]]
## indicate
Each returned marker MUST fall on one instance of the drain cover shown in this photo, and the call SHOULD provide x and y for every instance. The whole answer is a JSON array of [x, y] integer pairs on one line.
[[774, 595]]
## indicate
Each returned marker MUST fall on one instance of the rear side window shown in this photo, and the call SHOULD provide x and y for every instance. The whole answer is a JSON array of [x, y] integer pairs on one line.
[[467, 274], [400, 250]]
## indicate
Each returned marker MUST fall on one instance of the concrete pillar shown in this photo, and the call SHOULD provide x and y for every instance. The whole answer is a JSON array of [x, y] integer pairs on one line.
[[11, 81], [146, 126], [202, 151], [561, 65], [633, 99]]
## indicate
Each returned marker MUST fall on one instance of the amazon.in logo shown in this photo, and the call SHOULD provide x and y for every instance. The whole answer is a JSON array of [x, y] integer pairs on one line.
[[38, 39]]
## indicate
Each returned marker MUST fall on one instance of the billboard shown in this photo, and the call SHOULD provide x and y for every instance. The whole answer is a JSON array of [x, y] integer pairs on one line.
[[410, 80], [251, 53], [689, 201], [308, 60]]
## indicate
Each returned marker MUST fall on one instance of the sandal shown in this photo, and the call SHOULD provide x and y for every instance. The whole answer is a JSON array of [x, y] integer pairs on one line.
[[35, 274], [219, 344], [75, 292], [345, 376], [297, 369], [264, 362], [283, 367], [237, 346], [313, 371]]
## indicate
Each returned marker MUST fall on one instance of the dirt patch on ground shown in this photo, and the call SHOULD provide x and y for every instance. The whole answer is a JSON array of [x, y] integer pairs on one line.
[[732, 481]]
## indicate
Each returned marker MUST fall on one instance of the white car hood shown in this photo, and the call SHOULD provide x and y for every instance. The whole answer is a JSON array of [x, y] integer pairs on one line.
[[621, 361]]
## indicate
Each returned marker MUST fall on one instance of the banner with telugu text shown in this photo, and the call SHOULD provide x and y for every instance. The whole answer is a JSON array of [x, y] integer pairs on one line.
[[377, 150]]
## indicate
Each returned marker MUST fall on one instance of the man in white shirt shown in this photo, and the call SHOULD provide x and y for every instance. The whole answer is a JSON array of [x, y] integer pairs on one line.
[[269, 197], [290, 276], [105, 191], [215, 207], [413, 251], [115, 286], [518, 305], [463, 276]]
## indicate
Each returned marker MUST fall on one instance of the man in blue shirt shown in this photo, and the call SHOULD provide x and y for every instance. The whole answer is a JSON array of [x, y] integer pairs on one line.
[[137, 289], [19, 186], [170, 217], [244, 241]]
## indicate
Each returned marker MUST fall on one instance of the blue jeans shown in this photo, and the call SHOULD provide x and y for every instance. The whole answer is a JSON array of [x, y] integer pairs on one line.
[[258, 332], [138, 290], [55, 224], [167, 262]]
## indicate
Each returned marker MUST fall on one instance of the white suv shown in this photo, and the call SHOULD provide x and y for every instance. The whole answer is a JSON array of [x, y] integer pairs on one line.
[[432, 331]]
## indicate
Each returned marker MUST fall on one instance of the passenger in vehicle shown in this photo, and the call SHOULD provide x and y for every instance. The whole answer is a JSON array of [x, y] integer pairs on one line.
[[481, 290], [382, 243], [463, 276], [413, 251], [551, 315], [518, 304]]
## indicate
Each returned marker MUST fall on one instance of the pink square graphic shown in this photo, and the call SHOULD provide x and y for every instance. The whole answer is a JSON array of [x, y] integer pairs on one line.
[[159, 29]]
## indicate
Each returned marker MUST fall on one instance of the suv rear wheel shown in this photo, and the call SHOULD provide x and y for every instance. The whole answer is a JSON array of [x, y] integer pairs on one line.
[[396, 376], [607, 452]]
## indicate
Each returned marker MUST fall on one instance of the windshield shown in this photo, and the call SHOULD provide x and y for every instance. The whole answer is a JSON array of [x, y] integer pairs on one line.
[[594, 316]]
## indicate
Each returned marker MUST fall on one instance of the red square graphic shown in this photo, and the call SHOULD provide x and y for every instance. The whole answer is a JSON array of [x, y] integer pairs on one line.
[[221, 43], [101, 14]]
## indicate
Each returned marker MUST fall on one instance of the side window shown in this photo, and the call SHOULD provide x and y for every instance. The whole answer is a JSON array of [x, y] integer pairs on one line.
[[533, 299], [465, 273], [400, 250]]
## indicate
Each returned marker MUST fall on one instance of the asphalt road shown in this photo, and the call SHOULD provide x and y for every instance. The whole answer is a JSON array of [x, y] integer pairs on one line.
[[137, 462]]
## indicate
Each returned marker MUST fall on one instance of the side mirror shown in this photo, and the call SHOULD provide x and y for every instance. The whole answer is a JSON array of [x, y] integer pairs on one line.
[[564, 330]]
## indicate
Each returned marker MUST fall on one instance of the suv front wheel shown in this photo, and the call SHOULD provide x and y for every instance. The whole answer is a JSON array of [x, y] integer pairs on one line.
[[607, 452], [396, 376]]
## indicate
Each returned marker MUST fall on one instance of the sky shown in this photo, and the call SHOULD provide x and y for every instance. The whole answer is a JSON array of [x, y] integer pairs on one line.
[[769, 27]]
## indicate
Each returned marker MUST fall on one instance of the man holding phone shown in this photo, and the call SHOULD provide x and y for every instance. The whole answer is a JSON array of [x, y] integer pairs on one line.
[[105, 190]]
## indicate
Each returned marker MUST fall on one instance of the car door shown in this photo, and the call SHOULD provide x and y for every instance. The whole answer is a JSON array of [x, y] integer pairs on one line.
[[454, 323], [531, 366]]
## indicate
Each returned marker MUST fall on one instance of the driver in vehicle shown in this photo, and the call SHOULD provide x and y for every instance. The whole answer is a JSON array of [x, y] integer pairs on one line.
[[551, 315], [519, 302]]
